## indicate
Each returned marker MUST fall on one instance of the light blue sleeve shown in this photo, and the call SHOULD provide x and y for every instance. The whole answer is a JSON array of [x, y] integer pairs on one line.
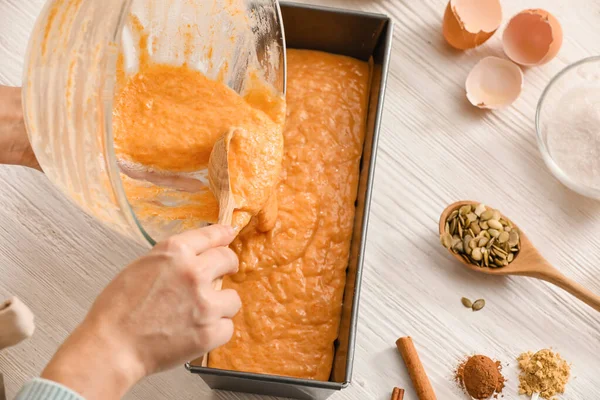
[[42, 389]]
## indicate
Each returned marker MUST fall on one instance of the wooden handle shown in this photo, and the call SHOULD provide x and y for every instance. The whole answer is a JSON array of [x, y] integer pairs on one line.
[[226, 208], [415, 369], [554, 276]]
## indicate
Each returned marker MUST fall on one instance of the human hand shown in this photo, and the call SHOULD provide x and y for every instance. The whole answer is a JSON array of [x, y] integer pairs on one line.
[[159, 312], [14, 143]]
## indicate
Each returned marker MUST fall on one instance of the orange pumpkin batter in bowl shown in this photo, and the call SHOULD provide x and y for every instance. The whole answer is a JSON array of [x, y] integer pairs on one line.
[[166, 120]]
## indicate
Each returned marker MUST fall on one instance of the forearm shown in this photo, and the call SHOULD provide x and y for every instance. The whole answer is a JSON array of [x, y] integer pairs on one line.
[[14, 143], [94, 364]]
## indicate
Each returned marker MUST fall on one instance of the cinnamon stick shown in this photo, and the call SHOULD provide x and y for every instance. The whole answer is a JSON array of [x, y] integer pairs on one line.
[[415, 369], [397, 394]]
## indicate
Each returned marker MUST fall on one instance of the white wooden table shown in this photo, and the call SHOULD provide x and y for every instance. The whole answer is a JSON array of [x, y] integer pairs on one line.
[[56, 259]]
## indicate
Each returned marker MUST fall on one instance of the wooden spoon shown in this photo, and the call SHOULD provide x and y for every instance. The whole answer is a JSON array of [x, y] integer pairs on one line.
[[220, 184], [527, 262], [218, 177]]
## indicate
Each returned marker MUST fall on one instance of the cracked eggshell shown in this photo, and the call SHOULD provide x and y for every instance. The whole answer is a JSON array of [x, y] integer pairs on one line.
[[494, 83], [532, 37], [469, 23]]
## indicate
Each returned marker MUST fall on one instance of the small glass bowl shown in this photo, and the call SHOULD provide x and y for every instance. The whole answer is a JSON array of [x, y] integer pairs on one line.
[[575, 88]]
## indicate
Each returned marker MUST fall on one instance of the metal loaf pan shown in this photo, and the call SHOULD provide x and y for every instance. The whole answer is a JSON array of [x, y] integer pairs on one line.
[[364, 36]]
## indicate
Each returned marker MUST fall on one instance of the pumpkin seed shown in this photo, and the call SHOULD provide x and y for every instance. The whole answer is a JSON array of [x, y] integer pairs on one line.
[[480, 209], [464, 210], [495, 233], [513, 238], [446, 240], [482, 241], [471, 217], [458, 247], [476, 254], [484, 225], [475, 228], [453, 226], [478, 305], [466, 241], [495, 224], [503, 237], [499, 250], [487, 215], [510, 257], [466, 302]]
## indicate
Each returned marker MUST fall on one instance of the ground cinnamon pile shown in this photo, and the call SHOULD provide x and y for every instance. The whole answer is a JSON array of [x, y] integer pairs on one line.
[[480, 376], [544, 372]]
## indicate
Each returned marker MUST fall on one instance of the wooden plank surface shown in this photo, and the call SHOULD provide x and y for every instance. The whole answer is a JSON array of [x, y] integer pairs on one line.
[[56, 259]]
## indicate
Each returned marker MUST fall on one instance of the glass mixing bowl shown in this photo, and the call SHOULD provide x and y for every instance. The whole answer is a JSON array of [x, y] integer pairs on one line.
[[568, 126], [69, 83]]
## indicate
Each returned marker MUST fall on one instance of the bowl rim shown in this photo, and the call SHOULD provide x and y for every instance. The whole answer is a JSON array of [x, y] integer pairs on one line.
[[554, 168]]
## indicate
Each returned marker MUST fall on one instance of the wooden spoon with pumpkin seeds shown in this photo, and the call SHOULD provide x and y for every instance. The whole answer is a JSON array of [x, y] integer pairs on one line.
[[456, 223]]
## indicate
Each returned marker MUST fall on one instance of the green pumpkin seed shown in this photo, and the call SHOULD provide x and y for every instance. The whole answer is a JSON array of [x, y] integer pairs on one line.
[[473, 243], [464, 210], [480, 209], [458, 247], [478, 305], [466, 302], [476, 254], [503, 237], [495, 224], [487, 215], [475, 228], [446, 240], [513, 238]]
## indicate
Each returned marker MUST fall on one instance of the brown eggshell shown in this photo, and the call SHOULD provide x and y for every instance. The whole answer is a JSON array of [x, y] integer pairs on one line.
[[469, 23], [532, 37]]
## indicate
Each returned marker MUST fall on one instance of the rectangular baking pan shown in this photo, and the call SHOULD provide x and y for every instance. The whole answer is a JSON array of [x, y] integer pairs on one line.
[[367, 37]]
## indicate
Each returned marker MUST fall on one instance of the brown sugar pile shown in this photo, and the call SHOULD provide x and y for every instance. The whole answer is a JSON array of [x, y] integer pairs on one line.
[[544, 372], [480, 376]]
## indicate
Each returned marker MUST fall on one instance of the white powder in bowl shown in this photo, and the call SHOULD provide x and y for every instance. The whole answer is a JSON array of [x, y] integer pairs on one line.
[[573, 135]]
